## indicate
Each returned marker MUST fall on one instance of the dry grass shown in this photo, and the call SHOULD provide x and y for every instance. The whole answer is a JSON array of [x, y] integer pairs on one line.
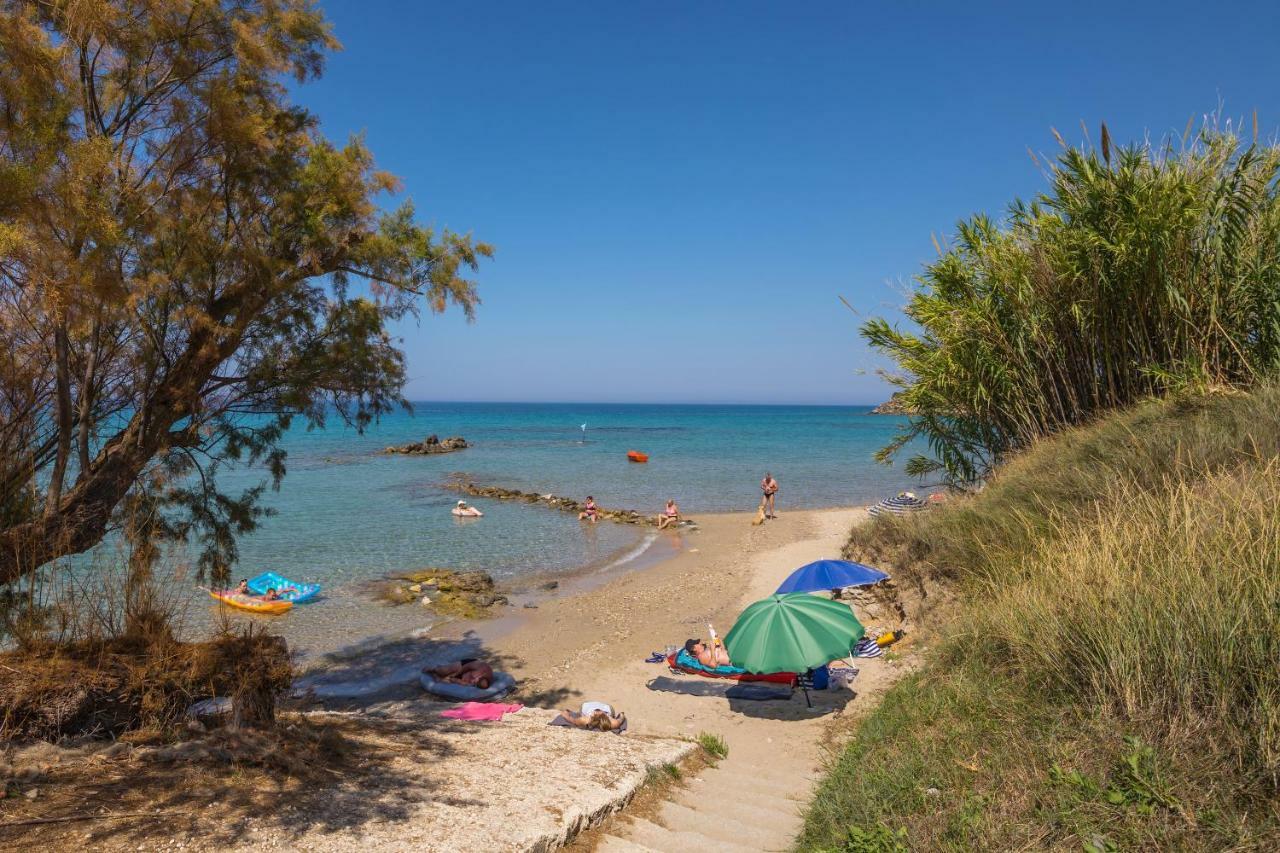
[[1108, 679]]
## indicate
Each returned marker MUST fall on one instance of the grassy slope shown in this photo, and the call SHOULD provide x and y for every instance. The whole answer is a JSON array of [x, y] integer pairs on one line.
[[1110, 680]]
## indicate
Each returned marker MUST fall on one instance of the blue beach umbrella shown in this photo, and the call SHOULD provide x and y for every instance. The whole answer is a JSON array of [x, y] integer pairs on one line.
[[830, 574]]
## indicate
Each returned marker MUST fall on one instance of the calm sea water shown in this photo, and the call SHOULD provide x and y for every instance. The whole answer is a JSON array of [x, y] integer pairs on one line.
[[347, 513]]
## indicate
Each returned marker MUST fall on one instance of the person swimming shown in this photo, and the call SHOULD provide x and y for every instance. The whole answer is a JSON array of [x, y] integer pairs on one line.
[[243, 587], [462, 509]]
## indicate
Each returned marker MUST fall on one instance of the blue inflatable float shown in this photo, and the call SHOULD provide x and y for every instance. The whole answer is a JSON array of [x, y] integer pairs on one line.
[[285, 588]]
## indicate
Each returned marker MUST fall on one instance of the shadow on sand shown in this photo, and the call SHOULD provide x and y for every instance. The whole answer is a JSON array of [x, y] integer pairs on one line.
[[357, 749], [756, 699]]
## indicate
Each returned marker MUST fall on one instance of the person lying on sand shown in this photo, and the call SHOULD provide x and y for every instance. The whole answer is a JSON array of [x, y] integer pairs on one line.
[[706, 655], [471, 672], [596, 715], [670, 515]]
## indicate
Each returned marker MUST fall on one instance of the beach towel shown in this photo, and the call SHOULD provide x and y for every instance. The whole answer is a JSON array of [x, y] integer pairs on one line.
[[488, 711], [867, 648], [682, 662]]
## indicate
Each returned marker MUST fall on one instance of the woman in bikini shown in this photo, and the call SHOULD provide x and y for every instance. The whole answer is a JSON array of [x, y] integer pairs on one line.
[[669, 516], [769, 487], [589, 511]]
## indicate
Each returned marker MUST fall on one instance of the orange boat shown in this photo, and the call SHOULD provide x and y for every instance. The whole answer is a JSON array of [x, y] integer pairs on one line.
[[251, 603], [637, 456]]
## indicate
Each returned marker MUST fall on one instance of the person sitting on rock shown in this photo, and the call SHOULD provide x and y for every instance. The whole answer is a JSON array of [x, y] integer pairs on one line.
[[590, 512], [468, 511], [468, 671], [595, 715], [669, 516], [708, 656]]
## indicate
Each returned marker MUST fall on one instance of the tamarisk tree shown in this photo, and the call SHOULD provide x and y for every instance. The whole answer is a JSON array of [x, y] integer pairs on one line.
[[186, 266]]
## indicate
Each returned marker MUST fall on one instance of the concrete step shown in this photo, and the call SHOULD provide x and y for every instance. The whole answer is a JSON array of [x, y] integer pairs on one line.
[[614, 844], [767, 819], [649, 834], [747, 782], [680, 818]]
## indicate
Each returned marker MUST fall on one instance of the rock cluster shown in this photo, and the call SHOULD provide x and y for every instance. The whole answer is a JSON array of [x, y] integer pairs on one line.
[[891, 406], [467, 594], [621, 516], [429, 445]]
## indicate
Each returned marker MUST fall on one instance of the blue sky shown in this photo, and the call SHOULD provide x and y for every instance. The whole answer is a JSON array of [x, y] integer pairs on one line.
[[678, 192]]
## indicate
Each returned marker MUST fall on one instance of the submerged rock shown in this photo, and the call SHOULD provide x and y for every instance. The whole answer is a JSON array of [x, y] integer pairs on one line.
[[465, 594]]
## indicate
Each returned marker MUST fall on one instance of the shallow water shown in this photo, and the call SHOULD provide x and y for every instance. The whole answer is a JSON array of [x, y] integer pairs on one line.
[[347, 513]]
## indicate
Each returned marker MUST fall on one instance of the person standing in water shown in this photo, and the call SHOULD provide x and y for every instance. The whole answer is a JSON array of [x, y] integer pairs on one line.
[[769, 487]]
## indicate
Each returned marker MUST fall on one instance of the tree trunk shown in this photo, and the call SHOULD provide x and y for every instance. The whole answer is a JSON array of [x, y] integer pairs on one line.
[[63, 416], [79, 520]]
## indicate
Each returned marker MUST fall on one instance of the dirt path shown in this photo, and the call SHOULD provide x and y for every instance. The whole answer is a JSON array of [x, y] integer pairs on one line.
[[753, 799]]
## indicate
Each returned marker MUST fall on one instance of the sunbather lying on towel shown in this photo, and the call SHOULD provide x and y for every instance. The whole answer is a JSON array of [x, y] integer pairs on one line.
[[595, 715], [471, 672], [706, 655]]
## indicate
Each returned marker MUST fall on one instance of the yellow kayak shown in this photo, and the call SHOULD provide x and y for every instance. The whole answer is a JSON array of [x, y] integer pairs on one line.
[[251, 603]]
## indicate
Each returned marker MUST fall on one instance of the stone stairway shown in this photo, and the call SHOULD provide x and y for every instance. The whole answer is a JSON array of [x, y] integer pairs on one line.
[[737, 806]]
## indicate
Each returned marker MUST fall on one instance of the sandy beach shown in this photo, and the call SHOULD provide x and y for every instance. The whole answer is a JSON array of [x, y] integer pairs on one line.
[[590, 642], [438, 784]]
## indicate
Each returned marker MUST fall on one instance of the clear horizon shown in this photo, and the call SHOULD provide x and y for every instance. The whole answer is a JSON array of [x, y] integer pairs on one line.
[[679, 194]]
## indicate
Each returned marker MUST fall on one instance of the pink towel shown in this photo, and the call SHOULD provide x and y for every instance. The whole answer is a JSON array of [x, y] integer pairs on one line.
[[481, 711]]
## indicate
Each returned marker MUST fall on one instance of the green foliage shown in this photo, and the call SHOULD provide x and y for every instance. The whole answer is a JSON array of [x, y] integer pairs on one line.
[[663, 774], [878, 839], [713, 744], [1136, 781], [1140, 272], [187, 266], [1107, 678]]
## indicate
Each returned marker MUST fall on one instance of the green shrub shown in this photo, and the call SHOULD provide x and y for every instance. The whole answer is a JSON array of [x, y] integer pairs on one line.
[[713, 744], [1140, 271]]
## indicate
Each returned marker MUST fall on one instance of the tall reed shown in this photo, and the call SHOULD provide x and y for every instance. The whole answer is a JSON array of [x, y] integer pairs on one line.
[[1140, 271]]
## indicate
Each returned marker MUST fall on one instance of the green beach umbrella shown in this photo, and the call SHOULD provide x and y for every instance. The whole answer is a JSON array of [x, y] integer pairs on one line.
[[792, 633]]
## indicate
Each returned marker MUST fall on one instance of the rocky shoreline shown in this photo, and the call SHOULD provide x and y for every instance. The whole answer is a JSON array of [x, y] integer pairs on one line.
[[430, 445], [892, 406], [466, 486]]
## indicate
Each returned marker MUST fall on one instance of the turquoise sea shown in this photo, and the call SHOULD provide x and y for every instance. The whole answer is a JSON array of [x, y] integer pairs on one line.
[[347, 513]]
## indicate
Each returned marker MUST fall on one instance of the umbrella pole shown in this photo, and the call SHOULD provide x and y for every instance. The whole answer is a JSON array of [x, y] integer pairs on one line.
[[806, 696]]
